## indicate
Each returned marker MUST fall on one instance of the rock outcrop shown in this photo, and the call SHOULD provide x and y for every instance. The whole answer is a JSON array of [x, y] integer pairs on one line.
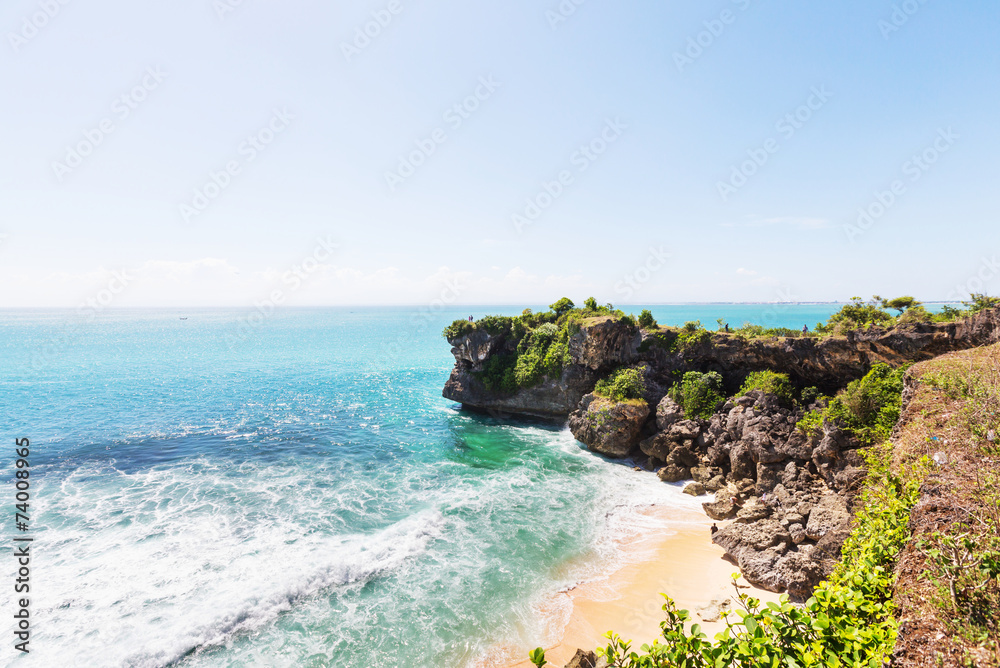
[[608, 427], [604, 343]]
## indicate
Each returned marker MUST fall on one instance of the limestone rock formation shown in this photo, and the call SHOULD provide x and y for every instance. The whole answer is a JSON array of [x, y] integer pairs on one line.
[[608, 427]]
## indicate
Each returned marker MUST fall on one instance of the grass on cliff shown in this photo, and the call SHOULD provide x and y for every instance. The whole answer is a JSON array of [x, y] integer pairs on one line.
[[949, 590]]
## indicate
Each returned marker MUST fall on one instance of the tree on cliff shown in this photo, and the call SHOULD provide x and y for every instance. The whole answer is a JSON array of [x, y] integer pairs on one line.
[[562, 306], [900, 303]]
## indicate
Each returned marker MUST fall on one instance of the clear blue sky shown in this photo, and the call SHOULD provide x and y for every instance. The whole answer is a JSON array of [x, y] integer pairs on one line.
[[675, 122]]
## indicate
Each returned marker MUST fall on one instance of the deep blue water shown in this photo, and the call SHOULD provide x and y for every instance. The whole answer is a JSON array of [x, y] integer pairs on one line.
[[296, 492]]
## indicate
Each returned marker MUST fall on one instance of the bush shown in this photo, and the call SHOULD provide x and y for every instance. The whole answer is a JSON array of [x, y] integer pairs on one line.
[[770, 382], [646, 320], [628, 320], [698, 394], [858, 313], [914, 314], [867, 408], [623, 385], [457, 329], [981, 302], [590, 304]]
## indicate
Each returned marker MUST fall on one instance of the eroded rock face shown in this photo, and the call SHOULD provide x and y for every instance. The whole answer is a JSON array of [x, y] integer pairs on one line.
[[608, 427]]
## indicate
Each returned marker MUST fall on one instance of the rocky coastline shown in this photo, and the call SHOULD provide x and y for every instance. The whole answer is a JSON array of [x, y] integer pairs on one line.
[[784, 496]]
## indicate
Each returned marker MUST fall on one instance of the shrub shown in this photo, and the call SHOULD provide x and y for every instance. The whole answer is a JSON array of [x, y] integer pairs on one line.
[[495, 324], [457, 329], [623, 385], [628, 320], [810, 394], [698, 394], [590, 304], [981, 302], [646, 320], [914, 314], [770, 382], [858, 313], [867, 408]]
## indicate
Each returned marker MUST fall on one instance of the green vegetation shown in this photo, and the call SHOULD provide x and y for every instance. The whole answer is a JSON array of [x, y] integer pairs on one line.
[[847, 622], [860, 313], [536, 344], [623, 385], [698, 394], [562, 306], [665, 338], [900, 303], [646, 320], [692, 334], [777, 384], [537, 657], [749, 331], [867, 408]]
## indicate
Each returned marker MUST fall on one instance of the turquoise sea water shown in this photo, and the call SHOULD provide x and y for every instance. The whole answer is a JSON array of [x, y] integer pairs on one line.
[[295, 491]]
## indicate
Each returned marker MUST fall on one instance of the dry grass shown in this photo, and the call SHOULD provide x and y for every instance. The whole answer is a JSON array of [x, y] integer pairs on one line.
[[952, 410]]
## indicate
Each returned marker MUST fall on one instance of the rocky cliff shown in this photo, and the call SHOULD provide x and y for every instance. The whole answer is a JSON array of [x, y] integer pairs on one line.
[[828, 363]]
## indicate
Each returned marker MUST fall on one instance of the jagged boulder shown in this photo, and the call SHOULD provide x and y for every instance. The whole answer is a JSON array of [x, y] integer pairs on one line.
[[668, 412], [720, 509], [798, 574], [608, 427], [673, 473], [694, 489], [583, 659], [829, 515], [684, 456], [657, 446]]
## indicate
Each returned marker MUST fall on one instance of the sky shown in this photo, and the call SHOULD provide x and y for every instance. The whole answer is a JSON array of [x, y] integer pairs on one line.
[[232, 152]]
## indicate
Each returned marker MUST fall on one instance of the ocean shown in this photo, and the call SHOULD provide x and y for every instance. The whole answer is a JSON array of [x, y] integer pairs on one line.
[[217, 488]]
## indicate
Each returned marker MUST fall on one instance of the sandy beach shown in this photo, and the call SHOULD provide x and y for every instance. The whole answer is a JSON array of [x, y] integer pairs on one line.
[[682, 563]]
